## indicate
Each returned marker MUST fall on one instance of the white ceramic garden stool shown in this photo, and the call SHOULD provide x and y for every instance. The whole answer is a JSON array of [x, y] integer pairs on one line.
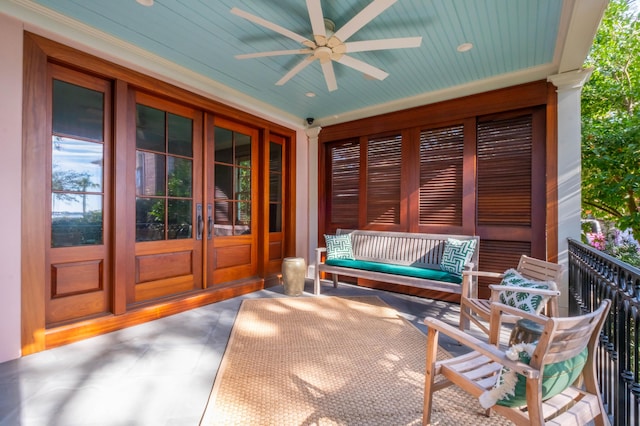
[[294, 271]]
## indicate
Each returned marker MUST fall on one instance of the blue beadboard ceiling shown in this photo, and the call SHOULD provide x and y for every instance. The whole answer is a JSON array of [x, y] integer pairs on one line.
[[508, 36]]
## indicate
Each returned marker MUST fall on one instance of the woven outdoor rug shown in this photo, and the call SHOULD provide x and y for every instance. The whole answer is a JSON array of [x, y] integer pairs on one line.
[[329, 361]]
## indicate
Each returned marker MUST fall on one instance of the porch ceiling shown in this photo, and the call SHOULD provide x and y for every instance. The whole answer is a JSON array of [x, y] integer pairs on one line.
[[194, 42]]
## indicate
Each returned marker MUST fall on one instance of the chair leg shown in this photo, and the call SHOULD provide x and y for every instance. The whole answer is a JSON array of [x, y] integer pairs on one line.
[[430, 375], [534, 402], [464, 318]]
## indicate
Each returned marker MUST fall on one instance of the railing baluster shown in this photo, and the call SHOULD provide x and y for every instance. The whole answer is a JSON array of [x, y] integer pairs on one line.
[[593, 276]]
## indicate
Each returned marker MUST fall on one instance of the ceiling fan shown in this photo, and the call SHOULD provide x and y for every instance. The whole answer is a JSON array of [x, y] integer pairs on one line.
[[328, 46]]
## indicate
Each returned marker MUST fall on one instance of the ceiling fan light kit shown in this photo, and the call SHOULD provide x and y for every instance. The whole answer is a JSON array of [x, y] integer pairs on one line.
[[328, 46]]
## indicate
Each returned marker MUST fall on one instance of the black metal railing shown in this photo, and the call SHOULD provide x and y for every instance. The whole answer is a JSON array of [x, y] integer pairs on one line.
[[594, 276]]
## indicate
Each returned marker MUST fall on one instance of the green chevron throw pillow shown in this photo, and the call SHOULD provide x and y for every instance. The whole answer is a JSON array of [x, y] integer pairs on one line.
[[522, 300], [456, 254], [339, 247]]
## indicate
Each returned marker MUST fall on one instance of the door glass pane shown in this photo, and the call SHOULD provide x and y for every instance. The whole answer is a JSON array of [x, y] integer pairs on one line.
[[76, 219], [76, 165], [179, 175], [275, 217], [223, 218], [275, 157], [232, 180], [243, 219], [150, 219], [150, 128], [243, 150], [224, 145], [180, 135], [243, 184], [179, 219], [77, 111], [150, 173], [275, 187], [223, 181]]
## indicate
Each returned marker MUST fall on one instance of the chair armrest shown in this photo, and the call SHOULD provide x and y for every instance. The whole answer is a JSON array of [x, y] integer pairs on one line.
[[470, 282], [486, 349], [319, 252], [469, 267], [483, 274]]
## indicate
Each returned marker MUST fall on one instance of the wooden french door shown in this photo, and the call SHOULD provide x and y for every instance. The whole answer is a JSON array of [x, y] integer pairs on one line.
[[78, 181], [232, 195], [169, 219]]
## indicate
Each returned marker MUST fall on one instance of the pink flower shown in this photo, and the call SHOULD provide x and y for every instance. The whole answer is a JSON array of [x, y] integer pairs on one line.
[[597, 240]]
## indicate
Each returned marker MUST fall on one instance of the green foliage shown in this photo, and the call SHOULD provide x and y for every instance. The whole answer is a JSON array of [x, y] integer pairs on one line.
[[611, 121]]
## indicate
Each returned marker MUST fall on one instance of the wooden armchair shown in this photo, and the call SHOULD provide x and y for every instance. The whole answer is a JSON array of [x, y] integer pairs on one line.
[[548, 399], [473, 309]]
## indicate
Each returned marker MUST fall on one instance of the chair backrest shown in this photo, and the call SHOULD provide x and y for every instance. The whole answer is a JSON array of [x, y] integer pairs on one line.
[[539, 270], [564, 338]]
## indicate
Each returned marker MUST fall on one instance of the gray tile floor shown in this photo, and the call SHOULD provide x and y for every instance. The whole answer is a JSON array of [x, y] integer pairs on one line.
[[158, 373]]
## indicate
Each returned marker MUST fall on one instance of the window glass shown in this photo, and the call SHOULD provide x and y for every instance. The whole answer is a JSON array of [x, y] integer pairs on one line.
[[150, 173], [76, 219], [164, 183], [150, 128], [76, 165], [179, 219], [243, 219], [224, 145], [275, 188], [77, 111], [232, 180], [150, 219], [180, 135], [179, 175], [224, 182]]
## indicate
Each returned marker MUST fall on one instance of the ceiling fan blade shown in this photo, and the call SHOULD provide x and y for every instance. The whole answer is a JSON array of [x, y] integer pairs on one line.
[[329, 75], [295, 70], [269, 25], [363, 67], [367, 14], [273, 53], [387, 43], [317, 21]]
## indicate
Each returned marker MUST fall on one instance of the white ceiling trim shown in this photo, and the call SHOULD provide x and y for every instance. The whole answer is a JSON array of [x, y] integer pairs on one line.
[[585, 19], [55, 26]]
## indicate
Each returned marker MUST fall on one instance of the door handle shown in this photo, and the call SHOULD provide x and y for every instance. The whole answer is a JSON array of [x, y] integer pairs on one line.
[[199, 221], [209, 221]]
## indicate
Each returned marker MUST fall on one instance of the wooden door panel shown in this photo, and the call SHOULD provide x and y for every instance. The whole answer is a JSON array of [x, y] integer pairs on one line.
[[72, 278], [163, 265], [237, 255], [275, 250]]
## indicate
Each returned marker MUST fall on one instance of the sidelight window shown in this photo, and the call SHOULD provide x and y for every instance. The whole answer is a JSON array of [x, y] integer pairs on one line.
[[77, 173]]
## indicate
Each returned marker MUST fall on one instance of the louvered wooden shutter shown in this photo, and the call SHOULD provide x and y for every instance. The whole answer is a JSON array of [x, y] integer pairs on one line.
[[344, 184], [441, 159], [504, 149], [384, 163]]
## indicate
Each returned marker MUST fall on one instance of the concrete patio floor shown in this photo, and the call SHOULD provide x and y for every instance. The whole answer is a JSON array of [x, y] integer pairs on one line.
[[157, 373]]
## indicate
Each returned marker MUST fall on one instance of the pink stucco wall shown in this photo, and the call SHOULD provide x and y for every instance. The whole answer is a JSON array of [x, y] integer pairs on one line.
[[10, 179]]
